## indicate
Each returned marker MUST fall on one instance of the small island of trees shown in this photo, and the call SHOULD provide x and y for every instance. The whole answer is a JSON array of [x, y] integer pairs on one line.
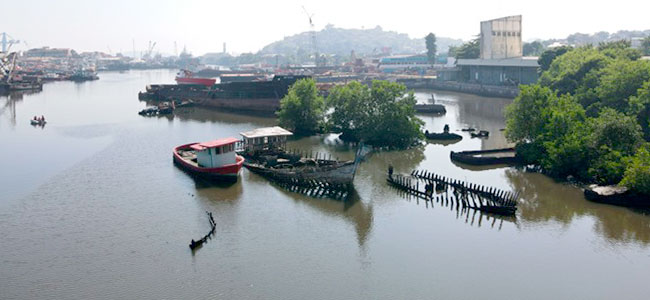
[[381, 115]]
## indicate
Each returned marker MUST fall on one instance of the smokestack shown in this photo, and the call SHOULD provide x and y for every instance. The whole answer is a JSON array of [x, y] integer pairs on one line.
[[224, 47]]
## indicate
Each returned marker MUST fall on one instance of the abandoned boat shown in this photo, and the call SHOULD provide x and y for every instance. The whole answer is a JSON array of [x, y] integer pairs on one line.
[[264, 149], [507, 156], [430, 109], [215, 159], [480, 134]]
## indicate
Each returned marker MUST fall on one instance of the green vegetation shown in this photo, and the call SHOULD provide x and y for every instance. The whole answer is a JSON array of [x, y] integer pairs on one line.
[[301, 110], [381, 115], [547, 57], [430, 41], [637, 174], [533, 49], [470, 49], [587, 116], [645, 45]]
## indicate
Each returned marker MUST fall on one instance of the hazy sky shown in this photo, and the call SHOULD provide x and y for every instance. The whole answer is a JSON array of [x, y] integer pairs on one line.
[[247, 26]]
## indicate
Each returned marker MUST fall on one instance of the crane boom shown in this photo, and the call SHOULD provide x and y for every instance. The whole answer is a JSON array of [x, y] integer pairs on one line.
[[313, 35]]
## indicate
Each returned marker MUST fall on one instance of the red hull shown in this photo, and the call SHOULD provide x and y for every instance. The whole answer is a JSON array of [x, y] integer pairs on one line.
[[194, 80], [225, 171]]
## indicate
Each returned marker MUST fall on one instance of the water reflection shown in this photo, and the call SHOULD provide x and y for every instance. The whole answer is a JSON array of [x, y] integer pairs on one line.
[[443, 142], [477, 168], [546, 201], [210, 115], [352, 210], [9, 106], [471, 217]]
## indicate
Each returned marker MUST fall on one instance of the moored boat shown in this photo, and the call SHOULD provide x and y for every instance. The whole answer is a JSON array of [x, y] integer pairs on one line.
[[37, 122], [187, 77], [214, 159], [480, 134], [444, 135]]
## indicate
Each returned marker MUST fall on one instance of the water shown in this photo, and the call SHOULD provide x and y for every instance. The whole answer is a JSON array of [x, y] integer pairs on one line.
[[91, 206]]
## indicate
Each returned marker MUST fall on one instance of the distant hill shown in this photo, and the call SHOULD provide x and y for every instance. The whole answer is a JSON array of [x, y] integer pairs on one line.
[[339, 41]]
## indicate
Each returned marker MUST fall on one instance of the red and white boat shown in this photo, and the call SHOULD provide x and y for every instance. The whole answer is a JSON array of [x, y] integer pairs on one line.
[[187, 77], [215, 159]]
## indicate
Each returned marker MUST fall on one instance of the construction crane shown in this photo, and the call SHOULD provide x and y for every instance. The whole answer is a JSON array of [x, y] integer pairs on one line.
[[313, 35], [149, 54], [7, 66], [7, 43]]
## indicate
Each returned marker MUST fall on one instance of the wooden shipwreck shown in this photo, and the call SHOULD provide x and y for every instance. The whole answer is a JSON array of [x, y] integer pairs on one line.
[[266, 155], [425, 184]]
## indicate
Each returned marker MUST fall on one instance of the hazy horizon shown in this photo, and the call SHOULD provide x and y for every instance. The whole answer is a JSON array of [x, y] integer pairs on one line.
[[203, 26]]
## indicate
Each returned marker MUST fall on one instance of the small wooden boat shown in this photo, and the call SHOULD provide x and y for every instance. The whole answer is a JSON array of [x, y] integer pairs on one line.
[[480, 134], [616, 195], [430, 108], [149, 111], [215, 159], [38, 122], [442, 136], [165, 108]]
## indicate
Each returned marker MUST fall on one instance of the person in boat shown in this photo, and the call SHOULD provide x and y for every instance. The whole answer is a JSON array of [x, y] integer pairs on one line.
[[446, 128], [35, 118], [42, 118]]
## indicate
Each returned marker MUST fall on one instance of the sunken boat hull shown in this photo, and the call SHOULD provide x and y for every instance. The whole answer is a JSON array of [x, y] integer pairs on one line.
[[332, 174], [475, 158], [443, 136]]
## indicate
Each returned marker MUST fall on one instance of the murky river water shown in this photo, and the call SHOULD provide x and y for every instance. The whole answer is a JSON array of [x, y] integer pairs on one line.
[[91, 207]]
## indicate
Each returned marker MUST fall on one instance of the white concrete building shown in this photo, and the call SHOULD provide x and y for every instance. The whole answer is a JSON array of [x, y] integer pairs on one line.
[[501, 38]]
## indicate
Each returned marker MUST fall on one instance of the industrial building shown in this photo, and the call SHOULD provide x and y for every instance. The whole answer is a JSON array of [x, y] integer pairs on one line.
[[504, 72], [417, 63], [501, 62], [501, 38]]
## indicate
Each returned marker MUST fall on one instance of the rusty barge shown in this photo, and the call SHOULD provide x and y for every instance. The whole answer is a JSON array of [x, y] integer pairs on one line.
[[248, 96]]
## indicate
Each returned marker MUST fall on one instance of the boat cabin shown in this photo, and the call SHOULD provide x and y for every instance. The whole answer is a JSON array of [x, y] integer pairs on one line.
[[267, 138], [216, 153]]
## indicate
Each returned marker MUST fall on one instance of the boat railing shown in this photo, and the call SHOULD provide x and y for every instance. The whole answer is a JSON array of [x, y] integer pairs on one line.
[[239, 146]]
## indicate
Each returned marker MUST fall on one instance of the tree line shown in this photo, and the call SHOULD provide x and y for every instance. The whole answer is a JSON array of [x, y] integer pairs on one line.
[[588, 116]]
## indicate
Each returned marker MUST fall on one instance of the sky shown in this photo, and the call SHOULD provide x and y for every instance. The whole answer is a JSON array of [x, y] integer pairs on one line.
[[247, 26]]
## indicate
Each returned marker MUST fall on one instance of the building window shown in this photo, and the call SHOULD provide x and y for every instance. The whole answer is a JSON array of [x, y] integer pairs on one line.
[[494, 33]]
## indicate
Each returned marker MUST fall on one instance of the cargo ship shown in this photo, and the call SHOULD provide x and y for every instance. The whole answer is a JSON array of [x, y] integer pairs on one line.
[[187, 77]]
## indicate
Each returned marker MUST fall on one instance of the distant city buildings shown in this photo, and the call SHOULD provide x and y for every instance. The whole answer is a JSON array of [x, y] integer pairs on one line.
[[50, 52], [391, 64]]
